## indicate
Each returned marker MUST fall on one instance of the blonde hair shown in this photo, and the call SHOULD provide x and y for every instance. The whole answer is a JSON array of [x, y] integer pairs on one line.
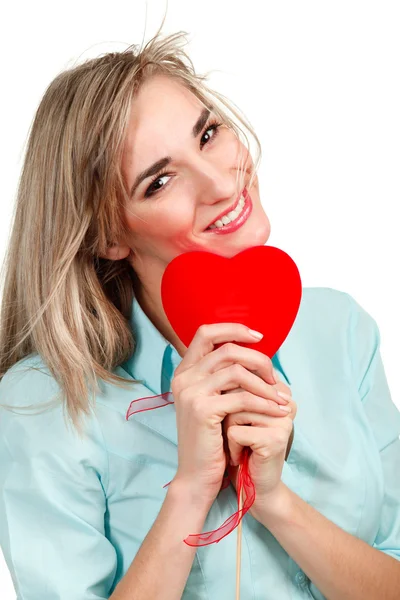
[[60, 298]]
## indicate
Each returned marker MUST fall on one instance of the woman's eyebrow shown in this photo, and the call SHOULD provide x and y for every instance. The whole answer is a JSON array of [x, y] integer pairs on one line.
[[163, 162]]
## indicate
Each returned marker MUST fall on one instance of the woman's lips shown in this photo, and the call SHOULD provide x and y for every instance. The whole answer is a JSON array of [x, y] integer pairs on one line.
[[239, 221]]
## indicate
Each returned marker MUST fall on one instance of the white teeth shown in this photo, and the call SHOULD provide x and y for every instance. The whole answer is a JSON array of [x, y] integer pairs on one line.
[[231, 216]]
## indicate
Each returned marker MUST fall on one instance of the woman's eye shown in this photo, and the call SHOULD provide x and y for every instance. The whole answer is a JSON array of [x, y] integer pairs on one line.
[[212, 127], [150, 190]]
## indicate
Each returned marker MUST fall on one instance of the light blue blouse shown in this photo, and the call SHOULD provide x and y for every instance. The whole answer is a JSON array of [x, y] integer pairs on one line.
[[74, 513]]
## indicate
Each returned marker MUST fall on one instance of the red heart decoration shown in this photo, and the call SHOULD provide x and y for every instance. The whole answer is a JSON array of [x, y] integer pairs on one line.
[[260, 287]]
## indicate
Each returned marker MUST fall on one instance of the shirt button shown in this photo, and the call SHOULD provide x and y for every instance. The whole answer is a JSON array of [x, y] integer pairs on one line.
[[301, 578]]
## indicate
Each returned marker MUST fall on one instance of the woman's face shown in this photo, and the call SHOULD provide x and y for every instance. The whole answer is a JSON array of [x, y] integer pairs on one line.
[[168, 215]]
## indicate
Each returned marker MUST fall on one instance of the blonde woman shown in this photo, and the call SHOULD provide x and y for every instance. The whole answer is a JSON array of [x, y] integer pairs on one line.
[[131, 157]]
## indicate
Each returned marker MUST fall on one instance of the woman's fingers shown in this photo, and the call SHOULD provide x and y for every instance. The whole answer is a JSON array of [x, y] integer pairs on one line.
[[256, 420]]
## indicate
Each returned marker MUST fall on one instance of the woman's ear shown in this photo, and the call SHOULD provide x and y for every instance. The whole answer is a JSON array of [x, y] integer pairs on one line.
[[116, 252]]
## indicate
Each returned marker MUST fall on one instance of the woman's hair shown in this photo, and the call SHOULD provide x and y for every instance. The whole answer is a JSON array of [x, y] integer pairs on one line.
[[60, 299]]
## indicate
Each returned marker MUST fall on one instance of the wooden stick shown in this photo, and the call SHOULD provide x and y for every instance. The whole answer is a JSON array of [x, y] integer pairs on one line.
[[239, 547]]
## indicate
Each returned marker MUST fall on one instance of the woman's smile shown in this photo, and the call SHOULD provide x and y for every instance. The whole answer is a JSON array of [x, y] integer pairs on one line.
[[240, 215]]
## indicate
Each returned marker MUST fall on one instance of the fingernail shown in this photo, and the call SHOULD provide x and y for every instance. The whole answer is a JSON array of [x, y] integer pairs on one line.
[[256, 334], [285, 408], [276, 374], [284, 396]]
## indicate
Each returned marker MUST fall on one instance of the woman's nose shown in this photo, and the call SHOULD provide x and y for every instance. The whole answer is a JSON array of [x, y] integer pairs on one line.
[[216, 181]]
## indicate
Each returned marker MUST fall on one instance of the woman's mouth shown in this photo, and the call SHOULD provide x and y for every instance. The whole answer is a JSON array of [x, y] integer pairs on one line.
[[235, 219]]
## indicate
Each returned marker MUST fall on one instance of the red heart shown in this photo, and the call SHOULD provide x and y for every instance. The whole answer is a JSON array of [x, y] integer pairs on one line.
[[260, 287]]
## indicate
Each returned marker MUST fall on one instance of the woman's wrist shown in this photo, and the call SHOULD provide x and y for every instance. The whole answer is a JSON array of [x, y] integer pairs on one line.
[[186, 493]]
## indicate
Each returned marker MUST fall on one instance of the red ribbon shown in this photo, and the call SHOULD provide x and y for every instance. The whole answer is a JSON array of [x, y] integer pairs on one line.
[[243, 481]]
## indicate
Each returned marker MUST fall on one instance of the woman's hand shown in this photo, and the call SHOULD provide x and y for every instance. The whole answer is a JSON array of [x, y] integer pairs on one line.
[[268, 438], [199, 380]]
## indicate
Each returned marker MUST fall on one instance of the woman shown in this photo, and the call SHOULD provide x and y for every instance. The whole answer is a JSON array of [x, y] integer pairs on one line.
[[130, 159]]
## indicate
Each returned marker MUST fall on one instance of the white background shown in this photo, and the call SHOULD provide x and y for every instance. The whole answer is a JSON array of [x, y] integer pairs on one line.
[[319, 81]]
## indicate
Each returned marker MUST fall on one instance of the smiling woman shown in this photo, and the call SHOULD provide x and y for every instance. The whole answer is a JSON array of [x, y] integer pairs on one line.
[[132, 160]]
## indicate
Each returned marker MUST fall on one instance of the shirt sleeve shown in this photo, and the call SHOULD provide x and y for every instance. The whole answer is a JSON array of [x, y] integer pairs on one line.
[[384, 418], [52, 496]]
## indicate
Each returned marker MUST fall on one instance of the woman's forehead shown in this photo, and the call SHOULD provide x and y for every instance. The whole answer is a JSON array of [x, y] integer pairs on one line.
[[161, 91], [163, 107]]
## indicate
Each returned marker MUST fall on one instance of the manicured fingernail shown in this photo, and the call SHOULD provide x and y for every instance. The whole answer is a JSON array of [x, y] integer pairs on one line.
[[256, 334], [285, 408], [284, 395]]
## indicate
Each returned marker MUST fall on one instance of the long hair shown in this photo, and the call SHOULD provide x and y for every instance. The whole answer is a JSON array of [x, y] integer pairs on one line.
[[60, 299]]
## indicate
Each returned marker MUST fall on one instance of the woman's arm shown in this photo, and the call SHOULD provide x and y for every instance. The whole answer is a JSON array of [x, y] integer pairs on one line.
[[342, 566], [162, 565]]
